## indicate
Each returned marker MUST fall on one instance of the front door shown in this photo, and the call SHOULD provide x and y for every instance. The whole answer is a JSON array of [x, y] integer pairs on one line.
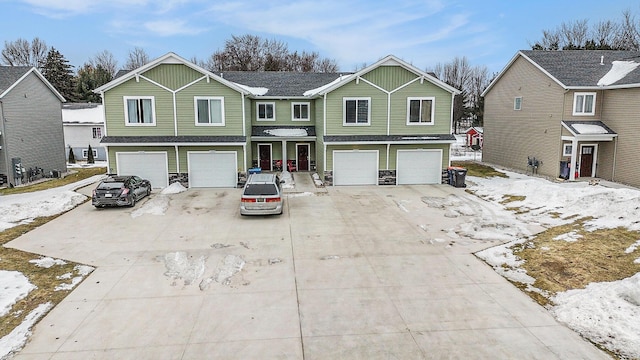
[[302, 160], [264, 153], [586, 161]]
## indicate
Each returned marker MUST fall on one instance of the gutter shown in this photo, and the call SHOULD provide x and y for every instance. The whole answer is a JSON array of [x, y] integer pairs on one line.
[[3, 143]]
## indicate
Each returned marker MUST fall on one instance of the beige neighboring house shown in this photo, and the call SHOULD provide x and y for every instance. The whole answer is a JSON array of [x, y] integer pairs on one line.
[[571, 114], [83, 125]]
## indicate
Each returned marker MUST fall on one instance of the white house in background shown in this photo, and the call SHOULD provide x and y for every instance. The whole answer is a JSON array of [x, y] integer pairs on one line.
[[83, 125]]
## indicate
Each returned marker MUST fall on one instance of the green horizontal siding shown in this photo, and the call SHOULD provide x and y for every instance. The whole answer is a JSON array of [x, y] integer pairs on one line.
[[114, 109], [283, 113], [378, 107], [390, 78], [399, 110], [186, 109]]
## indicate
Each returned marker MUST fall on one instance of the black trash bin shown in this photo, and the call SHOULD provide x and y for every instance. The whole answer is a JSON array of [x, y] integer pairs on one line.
[[564, 170], [459, 176]]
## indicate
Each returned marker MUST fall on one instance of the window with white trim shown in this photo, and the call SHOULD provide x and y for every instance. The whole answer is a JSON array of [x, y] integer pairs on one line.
[[139, 111], [420, 110], [584, 103], [517, 103], [266, 111], [85, 153], [567, 149], [209, 111], [96, 132], [356, 111], [300, 111]]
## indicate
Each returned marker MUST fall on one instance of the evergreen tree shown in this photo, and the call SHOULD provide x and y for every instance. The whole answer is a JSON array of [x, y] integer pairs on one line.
[[90, 159], [89, 78], [58, 72], [72, 158]]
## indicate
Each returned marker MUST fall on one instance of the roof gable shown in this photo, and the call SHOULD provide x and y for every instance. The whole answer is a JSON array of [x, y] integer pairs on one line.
[[583, 69], [169, 58], [280, 83], [10, 76]]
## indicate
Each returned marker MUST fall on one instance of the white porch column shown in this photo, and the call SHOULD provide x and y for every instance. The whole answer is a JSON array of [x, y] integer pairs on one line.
[[284, 156], [574, 159]]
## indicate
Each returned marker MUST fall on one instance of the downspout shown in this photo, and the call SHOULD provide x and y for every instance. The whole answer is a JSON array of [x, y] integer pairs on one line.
[[453, 98], [388, 152], [5, 151], [104, 116], [175, 114], [177, 159], [388, 119], [615, 153], [324, 133]]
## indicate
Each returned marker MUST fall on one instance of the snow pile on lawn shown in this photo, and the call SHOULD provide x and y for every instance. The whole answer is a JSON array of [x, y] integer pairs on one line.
[[14, 341], [288, 180], [606, 313], [23, 208], [15, 287]]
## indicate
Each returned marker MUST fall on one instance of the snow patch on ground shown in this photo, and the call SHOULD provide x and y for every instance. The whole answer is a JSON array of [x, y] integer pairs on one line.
[[288, 180], [607, 313], [306, 193], [569, 237], [47, 262], [16, 339], [174, 188], [14, 286], [180, 265], [81, 271], [317, 180]]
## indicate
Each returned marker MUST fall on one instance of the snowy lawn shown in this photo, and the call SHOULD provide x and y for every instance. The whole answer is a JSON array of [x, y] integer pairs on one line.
[[31, 285], [585, 268]]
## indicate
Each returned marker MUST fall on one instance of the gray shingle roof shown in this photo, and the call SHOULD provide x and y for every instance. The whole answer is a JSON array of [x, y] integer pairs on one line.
[[10, 74], [281, 83], [577, 68]]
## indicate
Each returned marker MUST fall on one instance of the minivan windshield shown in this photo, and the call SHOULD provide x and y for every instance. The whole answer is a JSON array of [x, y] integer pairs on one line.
[[260, 189]]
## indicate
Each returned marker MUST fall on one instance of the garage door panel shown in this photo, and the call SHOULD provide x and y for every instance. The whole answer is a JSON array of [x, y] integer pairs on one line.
[[355, 168], [212, 169], [419, 167], [152, 166]]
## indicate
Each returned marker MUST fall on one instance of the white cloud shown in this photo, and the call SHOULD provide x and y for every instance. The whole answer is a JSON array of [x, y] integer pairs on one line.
[[171, 27]]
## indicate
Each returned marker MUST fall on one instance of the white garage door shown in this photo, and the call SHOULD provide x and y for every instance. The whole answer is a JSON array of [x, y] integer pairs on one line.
[[152, 166], [419, 167], [213, 169], [355, 167]]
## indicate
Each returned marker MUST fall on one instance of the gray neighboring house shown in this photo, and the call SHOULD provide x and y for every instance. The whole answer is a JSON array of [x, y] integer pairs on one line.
[[31, 134], [571, 114], [83, 126]]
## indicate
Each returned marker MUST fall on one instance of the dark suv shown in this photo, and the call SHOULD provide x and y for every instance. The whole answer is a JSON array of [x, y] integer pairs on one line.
[[120, 191]]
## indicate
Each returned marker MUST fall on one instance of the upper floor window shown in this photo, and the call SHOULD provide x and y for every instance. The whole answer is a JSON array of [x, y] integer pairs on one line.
[[356, 111], [584, 103], [517, 103], [139, 110], [420, 111], [266, 111], [209, 111], [96, 132], [300, 111]]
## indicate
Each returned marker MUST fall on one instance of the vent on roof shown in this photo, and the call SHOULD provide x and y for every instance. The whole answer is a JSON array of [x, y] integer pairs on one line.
[[602, 60]]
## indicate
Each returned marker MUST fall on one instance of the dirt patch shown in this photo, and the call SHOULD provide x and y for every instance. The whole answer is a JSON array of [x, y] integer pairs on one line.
[[479, 170]]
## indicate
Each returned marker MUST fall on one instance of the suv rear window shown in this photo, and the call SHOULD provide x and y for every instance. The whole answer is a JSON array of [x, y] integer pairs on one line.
[[260, 189], [110, 185]]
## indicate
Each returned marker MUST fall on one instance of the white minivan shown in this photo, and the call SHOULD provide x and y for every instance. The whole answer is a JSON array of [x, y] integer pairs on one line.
[[261, 195]]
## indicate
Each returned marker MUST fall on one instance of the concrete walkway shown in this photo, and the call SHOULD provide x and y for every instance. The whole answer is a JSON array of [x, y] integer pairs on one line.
[[344, 273]]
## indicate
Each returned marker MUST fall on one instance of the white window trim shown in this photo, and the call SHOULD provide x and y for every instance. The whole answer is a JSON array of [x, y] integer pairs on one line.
[[195, 108], [593, 108], [566, 150], [433, 110], [344, 111], [515, 103], [293, 104], [85, 153], [258, 111], [126, 110]]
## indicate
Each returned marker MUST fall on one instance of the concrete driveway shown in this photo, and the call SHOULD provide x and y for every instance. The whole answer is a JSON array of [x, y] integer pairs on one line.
[[344, 273]]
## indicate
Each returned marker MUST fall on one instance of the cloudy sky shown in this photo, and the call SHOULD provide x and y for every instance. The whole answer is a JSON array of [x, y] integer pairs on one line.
[[353, 32]]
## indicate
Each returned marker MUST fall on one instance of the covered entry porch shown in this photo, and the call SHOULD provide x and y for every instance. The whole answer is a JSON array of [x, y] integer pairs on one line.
[[583, 143], [278, 148]]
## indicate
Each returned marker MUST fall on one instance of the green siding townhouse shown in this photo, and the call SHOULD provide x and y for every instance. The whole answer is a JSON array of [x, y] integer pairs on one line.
[[389, 123]]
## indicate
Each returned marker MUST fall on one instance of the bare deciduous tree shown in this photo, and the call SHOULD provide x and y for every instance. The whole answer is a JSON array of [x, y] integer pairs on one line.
[[251, 53], [23, 52], [106, 61], [137, 58]]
